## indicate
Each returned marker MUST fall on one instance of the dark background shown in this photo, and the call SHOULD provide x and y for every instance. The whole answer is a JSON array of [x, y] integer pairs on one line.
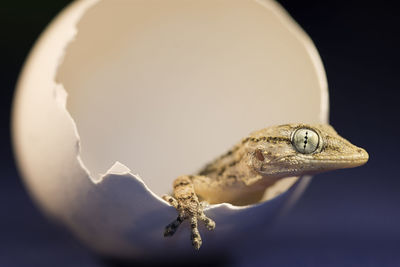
[[345, 218]]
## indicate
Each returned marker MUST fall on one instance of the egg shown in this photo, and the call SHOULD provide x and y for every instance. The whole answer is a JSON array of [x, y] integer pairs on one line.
[[118, 98]]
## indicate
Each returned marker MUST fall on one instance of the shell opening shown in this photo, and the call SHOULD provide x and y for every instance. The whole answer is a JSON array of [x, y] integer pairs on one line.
[[165, 90]]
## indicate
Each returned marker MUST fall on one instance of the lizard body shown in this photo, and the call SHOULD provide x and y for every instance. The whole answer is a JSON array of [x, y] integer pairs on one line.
[[241, 175]]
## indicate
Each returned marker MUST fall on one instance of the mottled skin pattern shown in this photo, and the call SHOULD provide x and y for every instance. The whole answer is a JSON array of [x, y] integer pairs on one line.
[[241, 175]]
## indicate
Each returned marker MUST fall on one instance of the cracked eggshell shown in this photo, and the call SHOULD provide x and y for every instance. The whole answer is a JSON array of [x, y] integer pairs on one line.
[[115, 88]]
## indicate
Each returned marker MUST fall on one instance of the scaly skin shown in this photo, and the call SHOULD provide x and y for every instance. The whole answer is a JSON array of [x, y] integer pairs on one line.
[[241, 175]]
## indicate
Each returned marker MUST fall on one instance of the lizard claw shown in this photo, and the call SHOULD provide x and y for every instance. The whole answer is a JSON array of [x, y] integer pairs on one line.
[[191, 212]]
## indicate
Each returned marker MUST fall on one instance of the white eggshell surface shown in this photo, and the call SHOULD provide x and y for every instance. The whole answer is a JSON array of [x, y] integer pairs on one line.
[[115, 89]]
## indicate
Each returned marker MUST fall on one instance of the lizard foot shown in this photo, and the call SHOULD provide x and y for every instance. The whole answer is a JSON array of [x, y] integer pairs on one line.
[[192, 211]]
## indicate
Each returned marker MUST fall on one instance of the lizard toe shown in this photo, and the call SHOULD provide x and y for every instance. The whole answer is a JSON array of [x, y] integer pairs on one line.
[[171, 228], [196, 243], [210, 224]]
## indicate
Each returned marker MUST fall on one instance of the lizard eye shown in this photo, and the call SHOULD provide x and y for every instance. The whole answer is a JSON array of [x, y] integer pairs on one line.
[[305, 140]]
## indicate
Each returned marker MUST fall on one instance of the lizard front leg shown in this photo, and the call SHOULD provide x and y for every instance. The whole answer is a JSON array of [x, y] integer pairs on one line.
[[189, 208]]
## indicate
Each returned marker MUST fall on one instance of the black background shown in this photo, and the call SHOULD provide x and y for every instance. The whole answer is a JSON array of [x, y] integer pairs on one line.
[[345, 218]]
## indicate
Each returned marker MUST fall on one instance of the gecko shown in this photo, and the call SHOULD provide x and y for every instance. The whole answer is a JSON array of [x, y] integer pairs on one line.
[[241, 175]]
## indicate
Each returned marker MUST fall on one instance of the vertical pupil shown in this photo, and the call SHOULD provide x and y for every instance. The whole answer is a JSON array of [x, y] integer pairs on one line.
[[305, 141]]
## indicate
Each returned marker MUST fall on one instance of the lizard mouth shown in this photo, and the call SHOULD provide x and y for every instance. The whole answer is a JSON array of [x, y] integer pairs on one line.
[[360, 157]]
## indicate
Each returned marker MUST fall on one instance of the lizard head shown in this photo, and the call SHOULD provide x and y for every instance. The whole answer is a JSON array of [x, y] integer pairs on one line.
[[298, 149]]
